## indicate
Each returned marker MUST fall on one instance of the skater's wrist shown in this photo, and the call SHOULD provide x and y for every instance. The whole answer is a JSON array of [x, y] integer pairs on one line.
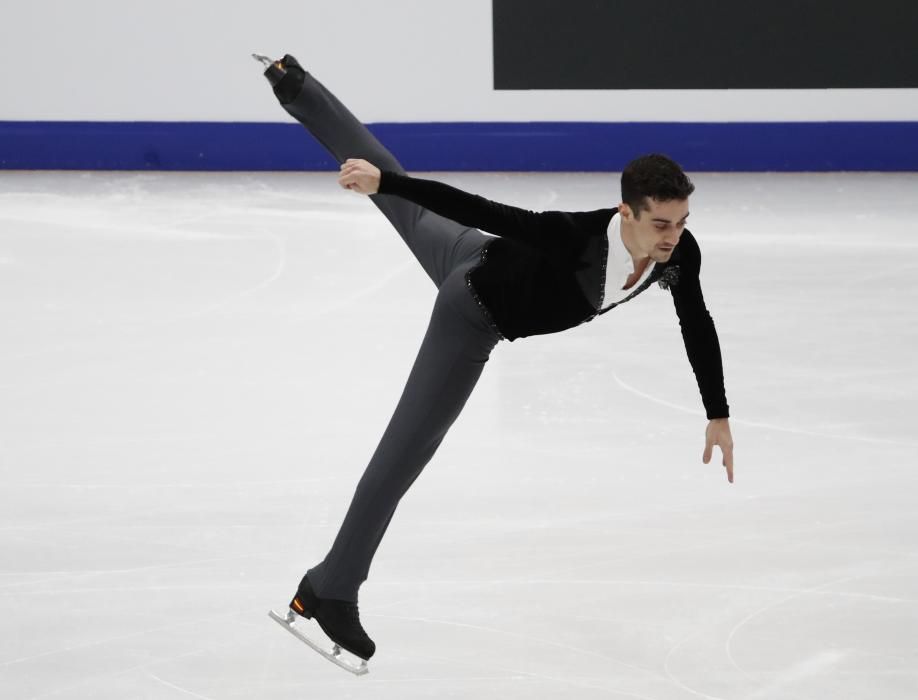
[[387, 179]]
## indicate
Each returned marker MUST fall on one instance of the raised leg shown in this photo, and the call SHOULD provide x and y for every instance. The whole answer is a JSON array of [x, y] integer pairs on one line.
[[430, 237]]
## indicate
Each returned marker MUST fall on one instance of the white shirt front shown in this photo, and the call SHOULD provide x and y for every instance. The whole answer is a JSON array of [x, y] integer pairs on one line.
[[620, 266]]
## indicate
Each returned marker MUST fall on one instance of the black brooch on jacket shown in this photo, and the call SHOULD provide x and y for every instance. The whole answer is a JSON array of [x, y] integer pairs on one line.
[[670, 277]]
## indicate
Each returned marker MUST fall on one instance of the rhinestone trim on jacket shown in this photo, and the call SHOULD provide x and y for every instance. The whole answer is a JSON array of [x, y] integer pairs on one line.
[[478, 300], [602, 272], [670, 277]]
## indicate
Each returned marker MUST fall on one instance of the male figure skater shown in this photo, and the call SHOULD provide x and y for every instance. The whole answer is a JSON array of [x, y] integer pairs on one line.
[[544, 273]]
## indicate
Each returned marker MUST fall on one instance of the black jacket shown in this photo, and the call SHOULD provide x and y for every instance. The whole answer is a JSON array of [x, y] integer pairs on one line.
[[546, 273]]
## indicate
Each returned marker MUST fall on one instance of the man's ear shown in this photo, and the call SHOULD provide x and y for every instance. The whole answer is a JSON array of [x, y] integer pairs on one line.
[[624, 211]]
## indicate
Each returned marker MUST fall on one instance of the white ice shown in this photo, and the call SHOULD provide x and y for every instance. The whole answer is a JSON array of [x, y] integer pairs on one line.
[[196, 368]]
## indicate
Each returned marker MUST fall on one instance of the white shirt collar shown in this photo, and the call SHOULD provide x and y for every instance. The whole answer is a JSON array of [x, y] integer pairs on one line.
[[618, 253], [620, 265]]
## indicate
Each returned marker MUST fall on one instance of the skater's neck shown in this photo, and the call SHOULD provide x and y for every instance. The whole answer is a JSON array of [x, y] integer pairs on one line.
[[638, 257]]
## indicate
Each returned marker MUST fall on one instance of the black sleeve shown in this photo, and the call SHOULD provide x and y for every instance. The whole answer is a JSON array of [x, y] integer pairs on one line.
[[474, 211], [698, 330]]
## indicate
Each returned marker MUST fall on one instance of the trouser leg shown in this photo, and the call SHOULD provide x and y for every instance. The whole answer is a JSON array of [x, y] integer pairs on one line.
[[456, 346], [430, 237]]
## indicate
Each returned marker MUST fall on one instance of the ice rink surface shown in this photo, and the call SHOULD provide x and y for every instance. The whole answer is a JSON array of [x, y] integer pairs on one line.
[[196, 369]]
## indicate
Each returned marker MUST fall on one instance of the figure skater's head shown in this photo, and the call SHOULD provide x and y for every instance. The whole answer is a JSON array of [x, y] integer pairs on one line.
[[654, 206]]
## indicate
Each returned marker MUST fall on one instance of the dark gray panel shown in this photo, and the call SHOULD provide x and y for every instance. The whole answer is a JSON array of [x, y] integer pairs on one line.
[[704, 44]]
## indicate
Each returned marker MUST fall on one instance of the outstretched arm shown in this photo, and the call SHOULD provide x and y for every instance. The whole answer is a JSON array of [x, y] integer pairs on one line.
[[455, 204], [703, 350]]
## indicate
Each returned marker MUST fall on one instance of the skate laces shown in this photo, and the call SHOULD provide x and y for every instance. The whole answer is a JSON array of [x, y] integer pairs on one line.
[[352, 614]]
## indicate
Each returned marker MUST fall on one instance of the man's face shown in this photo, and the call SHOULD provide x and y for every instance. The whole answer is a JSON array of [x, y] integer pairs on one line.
[[658, 231]]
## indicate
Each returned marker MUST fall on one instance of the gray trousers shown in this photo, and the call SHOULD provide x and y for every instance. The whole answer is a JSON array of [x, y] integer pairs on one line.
[[454, 351]]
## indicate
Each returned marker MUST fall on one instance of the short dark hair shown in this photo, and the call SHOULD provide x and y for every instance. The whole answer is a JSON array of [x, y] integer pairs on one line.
[[655, 176]]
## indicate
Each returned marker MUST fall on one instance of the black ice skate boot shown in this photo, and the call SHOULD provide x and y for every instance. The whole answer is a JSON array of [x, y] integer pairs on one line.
[[339, 619], [286, 76]]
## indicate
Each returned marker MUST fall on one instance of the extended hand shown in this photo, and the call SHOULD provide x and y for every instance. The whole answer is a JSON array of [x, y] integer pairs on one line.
[[359, 175], [718, 433]]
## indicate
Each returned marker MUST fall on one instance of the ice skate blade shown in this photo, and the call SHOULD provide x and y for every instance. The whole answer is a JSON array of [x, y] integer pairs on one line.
[[262, 59], [287, 622]]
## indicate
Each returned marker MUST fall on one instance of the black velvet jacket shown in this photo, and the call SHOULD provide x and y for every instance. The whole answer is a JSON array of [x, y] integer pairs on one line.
[[546, 273]]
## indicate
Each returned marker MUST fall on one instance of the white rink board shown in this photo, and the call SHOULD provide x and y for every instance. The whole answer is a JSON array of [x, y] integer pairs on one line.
[[394, 61]]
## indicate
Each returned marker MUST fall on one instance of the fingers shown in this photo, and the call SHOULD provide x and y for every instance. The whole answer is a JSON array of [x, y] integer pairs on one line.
[[353, 182], [718, 433], [348, 181], [347, 175], [360, 176], [728, 462], [349, 172], [347, 167]]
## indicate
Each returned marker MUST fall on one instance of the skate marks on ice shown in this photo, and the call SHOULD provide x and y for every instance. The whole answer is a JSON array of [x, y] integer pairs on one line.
[[512, 670], [179, 688], [758, 424], [288, 622]]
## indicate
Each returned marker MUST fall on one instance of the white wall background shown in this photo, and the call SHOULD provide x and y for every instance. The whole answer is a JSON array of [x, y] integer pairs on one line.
[[388, 60]]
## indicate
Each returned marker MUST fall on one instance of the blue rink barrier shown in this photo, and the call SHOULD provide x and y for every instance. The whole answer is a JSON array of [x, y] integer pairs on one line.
[[470, 146]]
